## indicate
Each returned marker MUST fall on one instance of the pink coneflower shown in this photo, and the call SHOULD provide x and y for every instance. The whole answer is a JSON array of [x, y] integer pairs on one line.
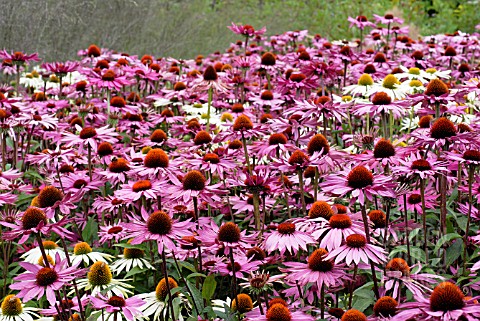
[[114, 232], [195, 185], [335, 230], [18, 58], [158, 226], [242, 265], [114, 304], [246, 30], [447, 302], [387, 19], [39, 281], [361, 22], [414, 200], [108, 79], [278, 311], [133, 191], [89, 136], [287, 238], [360, 182], [422, 167], [356, 250], [317, 270]]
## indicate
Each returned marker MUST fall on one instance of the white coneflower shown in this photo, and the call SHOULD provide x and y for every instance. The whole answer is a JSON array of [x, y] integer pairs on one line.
[[12, 309], [83, 252], [131, 258], [99, 280]]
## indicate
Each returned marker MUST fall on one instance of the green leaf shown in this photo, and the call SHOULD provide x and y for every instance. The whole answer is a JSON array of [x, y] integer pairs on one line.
[[197, 295], [192, 275], [454, 252], [446, 238], [89, 233], [415, 252], [134, 271], [131, 246], [209, 286]]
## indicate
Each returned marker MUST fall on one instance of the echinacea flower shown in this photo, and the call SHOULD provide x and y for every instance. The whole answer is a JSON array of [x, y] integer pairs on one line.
[[82, 252], [155, 302], [356, 250], [118, 306], [39, 281], [287, 238], [99, 280], [276, 312], [246, 30], [131, 258], [13, 309]]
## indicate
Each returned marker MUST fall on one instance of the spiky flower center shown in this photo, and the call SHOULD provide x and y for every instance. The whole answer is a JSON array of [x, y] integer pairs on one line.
[[320, 209], [49, 245], [286, 228], [318, 143], [443, 128], [340, 221], [421, 165], [156, 158], [142, 185], [298, 158], [82, 248], [353, 315], [194, 180], [161, 290], [398, 264], [46, 276], [390, 82], [472, 155], [104, 149], [87, 132], [277, 139], [48, 196], [116, 301], [229, 232], [119, 165], [32, 217], [159, 223], [278, 312], [436, 87], [11, 306], [242, 123], [386, 306], [356, 241], [256, 253], [447, 297], [316, 261], [381, 98], [158, 136], [202, 137], [360, 177], [245, 303], [378, 217], [210, 74], [99, 274], [383, 149], [365, 80], [424, 122]]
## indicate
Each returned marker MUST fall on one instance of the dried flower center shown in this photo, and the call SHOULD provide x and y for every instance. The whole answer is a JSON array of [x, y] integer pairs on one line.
[[383, 149], [378, 217], [194, 180], [245, 303], [354, 315], [161, 290], [48, 196], [447, 297], [159, 223], [32, 217], [11, 306], [320, 209], [450, 51], [398, 264], [82, 248], [381, 98], [116, 301], [46, 276], [229, 232], [443, 128], [156, 158], [317, 263], [286, 228], [118, 165], [87, 132], [386, 306], [360, 177], [356, 241], [99, 274], [278, 312], [421, 165], [318, 143]]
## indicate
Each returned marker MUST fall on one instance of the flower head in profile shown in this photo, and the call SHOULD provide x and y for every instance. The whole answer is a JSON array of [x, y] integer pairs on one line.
[[246, 30], [287, 238], [18, 58], [130, 308], [356, 250]]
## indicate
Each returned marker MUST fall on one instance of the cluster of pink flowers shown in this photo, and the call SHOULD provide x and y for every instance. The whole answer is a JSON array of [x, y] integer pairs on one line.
[[289, 178]]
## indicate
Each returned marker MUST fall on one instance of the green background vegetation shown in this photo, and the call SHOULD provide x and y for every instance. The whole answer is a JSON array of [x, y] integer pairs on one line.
[[184, 28]]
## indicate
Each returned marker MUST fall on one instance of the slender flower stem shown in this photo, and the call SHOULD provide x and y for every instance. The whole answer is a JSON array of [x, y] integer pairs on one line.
[[352, 285], [209, 105], [367, 236], [424, 219], [90, 162], [234, 279], [471, 172], [245, 150], [256, 210], [322, 303], [167, 283], [407, 232], [302, 191]]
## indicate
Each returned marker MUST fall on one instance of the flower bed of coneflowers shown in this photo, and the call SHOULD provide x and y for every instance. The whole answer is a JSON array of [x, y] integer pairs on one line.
[[288, 178]]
